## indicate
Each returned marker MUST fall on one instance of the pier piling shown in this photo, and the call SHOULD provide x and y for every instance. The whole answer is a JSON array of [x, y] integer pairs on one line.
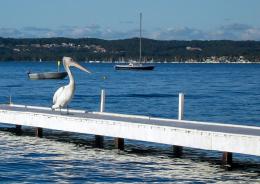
[[119, 143], [18, 129], [99, 141], [177, 150], [38, 132], [227, 160]]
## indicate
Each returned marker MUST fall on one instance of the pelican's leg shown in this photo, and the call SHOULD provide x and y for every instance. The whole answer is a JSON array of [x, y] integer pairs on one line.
[[60, 109], [67, 109]]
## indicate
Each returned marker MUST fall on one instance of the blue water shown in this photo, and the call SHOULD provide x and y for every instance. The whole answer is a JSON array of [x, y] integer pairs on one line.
[[225, 93]]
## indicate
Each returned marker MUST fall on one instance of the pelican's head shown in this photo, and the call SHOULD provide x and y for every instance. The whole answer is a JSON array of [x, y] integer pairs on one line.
[[68, 61]]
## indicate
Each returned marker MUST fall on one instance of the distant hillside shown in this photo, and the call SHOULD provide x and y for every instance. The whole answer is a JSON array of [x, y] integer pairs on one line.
[[86, 49]]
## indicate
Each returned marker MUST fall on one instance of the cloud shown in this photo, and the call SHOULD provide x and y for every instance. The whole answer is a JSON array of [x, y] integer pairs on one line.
[[9, 32], [236, 32], [235, 27], [224, 32], [184, 33], [251, 34], [232, 32]]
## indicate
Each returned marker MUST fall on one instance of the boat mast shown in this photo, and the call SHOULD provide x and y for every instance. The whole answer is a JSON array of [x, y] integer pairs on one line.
[[140, 58]]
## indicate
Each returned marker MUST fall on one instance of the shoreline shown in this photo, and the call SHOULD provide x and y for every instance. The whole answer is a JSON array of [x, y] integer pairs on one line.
[[148, 63]]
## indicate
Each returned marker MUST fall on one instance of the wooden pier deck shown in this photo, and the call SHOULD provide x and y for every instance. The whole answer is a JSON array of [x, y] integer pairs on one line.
[[203, 135]]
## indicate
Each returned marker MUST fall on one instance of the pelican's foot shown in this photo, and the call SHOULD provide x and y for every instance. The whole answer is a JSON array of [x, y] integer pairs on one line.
[[69, 113]]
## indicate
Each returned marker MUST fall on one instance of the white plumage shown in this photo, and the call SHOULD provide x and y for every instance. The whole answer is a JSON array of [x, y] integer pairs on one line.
[[64, 94]]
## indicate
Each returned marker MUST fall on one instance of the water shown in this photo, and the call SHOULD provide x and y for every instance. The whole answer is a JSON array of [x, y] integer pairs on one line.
[[225, 93]]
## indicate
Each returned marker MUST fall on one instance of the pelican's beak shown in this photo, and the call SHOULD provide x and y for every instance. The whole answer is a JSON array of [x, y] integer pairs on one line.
[[80, 67]]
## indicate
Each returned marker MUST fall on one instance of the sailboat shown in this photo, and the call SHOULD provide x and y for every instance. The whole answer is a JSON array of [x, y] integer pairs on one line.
[[136, 65]]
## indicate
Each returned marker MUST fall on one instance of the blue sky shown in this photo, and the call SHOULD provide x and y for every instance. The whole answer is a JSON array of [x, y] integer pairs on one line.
[[118, 19]]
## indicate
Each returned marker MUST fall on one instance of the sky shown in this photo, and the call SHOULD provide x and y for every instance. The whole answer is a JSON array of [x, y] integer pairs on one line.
[[119, 19]]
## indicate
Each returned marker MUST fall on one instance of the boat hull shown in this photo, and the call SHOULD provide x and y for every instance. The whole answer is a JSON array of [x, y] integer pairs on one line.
[[47, 75], [127, 67]]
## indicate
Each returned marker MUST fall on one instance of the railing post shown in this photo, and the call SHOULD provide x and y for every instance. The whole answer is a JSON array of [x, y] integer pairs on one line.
[[10, 100], [181, 106], [178, 149], [102, 100], [99, 139]]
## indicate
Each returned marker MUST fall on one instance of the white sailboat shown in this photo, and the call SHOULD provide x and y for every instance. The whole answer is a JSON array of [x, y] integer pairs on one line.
[[136, 65]]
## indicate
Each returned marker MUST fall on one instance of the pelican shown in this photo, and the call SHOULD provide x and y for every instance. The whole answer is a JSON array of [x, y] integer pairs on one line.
[[64, 94]]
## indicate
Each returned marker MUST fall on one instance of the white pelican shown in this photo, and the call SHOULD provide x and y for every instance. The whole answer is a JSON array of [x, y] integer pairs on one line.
[[64, 94]]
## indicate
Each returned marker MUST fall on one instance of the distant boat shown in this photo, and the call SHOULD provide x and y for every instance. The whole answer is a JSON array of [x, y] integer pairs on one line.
[[48, 75], [134, 65]]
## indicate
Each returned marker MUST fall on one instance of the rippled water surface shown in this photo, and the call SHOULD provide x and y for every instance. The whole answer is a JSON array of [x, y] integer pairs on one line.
[[228, 93]]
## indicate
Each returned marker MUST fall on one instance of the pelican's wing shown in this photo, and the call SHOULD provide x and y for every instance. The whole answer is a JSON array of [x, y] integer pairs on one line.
[[57, 94]]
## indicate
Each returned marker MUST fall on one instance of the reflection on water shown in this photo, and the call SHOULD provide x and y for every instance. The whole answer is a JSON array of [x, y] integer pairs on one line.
[[67, 158]]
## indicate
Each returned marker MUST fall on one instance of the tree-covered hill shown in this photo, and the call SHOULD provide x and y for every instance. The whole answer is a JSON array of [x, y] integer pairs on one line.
[[113, 50]]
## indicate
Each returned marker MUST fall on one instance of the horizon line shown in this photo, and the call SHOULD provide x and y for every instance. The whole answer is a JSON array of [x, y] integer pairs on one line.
[[130, 38]]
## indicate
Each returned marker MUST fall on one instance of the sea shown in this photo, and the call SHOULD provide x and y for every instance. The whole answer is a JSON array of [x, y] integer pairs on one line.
[[222, 93]]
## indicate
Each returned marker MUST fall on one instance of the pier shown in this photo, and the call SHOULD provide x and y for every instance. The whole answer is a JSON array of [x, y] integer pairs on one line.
[[226, 138]]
